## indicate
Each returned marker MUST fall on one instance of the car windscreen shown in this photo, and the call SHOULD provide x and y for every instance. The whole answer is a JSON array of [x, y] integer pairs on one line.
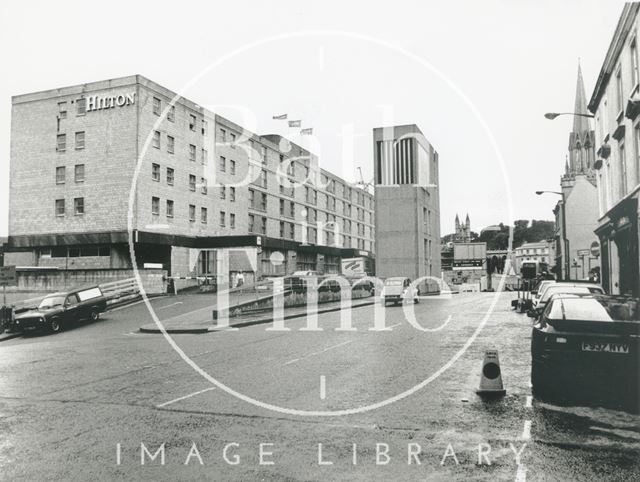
[[551, 290], [592, 309], [51, 302], [393, 282]]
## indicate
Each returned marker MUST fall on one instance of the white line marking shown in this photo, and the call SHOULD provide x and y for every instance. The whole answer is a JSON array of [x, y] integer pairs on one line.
[[127, 306], [526, 431], [318, 352], [168, 306], [521, 474], [529, 402], [185, 397], [393, 326], [323, 387]]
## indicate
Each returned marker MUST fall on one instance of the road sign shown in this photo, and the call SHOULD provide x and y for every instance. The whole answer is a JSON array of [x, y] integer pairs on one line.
[[595, 249], [584, 252], [8, 276]]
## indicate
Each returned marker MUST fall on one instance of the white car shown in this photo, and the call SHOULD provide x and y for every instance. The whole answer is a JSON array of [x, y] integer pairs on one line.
[[540, 288], [566, 287], [398, 290]]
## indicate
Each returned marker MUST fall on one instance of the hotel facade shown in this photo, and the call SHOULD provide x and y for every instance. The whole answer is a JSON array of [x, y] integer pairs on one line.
[[615, 103], [97, 165]]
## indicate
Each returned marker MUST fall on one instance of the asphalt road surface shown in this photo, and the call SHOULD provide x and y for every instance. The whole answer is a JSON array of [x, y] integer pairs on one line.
[[90, 402]]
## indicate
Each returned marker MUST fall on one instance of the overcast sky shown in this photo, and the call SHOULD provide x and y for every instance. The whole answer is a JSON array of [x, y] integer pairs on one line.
[[466, 72]]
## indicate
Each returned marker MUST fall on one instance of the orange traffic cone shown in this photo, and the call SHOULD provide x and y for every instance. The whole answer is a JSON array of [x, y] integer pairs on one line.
[[491, 376]]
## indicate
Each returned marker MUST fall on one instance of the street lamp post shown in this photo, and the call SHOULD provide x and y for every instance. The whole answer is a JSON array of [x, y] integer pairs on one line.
[[565, 241], [553, 115]]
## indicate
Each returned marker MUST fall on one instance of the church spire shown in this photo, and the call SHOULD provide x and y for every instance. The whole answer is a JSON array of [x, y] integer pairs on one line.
[[580, 123]]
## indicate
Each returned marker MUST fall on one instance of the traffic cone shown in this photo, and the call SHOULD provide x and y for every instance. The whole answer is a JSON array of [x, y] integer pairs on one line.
[[491, 376]]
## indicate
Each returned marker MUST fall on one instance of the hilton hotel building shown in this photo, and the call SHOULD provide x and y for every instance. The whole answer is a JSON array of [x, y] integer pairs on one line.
[[207, 198]]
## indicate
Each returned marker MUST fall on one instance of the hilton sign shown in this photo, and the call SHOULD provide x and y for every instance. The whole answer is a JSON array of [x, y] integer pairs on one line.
[[96, 102]]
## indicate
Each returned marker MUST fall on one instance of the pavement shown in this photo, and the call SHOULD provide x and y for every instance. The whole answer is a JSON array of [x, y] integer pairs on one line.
[[92, 402]]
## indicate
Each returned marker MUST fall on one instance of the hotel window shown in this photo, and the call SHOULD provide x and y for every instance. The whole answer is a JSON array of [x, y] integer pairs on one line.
[[203, 183], [282, 229], [292, 209], [634, 63], [623, 171], [223, 216], [62, 110], [61, 142], [263, 225], [192, 182], [157, 106], [192, 153], [155, 206], [291, 169], [251, 222], [80, 140], [204, 127], [192, 122], [232, 167], [170, 144], [61, 174], [292, 230], [232, 194], [263, 201], [263, 178], [223, 164], [81, 106], [170, 176], [233, 140], [205, 157], [264, 154], [79, 172], [155, 172], [232, 221], [619, 91], [171, 115], [223, 192], [282, 207], [192, 213], [223, 135], [203, 215], [78, 206], [59, 207], [169, 208], [156, 139]]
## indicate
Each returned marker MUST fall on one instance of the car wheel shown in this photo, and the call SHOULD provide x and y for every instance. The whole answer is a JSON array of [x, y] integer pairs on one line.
[[95, 315], [416, 300], [55, 326]]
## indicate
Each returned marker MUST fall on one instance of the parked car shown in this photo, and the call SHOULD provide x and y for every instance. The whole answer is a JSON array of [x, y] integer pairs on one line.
[[583, 343], [563, 287], [62, 309], [398, 290]]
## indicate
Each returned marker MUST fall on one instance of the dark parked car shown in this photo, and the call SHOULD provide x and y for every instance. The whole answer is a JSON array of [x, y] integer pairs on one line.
[[61, 309], [587, 345]]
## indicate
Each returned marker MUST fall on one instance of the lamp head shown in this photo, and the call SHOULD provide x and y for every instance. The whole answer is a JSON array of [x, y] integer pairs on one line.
[[551, 115]]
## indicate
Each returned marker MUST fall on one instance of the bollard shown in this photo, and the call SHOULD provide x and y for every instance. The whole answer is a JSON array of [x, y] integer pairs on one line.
[[491, 376]]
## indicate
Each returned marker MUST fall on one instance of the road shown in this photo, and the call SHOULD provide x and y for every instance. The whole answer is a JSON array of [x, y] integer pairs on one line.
[[78, 405]]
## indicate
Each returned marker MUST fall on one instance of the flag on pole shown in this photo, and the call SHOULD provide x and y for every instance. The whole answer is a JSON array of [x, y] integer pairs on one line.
[[306, 132], [295, 123], [280, 117]]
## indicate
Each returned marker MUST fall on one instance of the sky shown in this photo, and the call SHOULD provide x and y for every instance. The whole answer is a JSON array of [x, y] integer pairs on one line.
[[475, 76]]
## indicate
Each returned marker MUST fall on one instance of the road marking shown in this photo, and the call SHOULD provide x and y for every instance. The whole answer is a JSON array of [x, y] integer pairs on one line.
[[172, 304], [521, 474], [393, 326], [529, 402], [127, 305], [323, 387], [318, 352], [526, 431], [185, 397]]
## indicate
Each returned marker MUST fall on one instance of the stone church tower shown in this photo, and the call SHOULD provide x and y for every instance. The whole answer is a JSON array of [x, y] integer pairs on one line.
[[463, 231], [581, 154]]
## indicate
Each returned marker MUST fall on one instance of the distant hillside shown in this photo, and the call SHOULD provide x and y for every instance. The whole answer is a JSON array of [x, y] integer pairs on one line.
[[522, 233]]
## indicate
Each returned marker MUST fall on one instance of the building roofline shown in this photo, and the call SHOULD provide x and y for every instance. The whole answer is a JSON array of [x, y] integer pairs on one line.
[[629, 12]]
